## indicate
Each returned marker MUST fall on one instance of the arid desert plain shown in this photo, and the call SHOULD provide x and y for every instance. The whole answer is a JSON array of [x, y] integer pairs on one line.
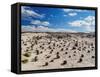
[[56, 50]]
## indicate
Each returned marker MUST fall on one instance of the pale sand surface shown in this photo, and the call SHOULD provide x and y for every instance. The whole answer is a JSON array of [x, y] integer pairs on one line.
[[57, 50]]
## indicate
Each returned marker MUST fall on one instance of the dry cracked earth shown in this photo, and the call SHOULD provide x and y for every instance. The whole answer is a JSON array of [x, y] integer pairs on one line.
[[51, 50]]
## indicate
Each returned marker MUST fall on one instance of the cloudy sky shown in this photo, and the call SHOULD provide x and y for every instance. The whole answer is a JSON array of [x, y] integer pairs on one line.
[[45, 19]]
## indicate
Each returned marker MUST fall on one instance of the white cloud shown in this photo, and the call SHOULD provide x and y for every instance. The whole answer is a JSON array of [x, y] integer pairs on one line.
[[89, 18], [45, 23], [65, 15], [38, 22], [72, 14], [29, 28], [28, 12], [74, 10], [87, 23], [67, 10], [76, 23]]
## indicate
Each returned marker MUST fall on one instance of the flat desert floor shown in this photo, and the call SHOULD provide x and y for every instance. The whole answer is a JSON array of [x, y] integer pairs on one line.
[[54, 50]]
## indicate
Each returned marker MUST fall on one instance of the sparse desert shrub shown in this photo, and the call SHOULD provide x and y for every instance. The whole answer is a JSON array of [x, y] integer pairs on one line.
[[59, 37], [27, 54], [24, 61]]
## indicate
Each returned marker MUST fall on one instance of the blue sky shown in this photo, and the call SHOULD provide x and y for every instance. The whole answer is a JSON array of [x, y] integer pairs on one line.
[[45, 19]]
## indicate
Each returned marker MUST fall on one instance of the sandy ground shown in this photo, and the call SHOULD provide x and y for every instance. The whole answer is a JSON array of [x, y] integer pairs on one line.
[[57, 50]]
